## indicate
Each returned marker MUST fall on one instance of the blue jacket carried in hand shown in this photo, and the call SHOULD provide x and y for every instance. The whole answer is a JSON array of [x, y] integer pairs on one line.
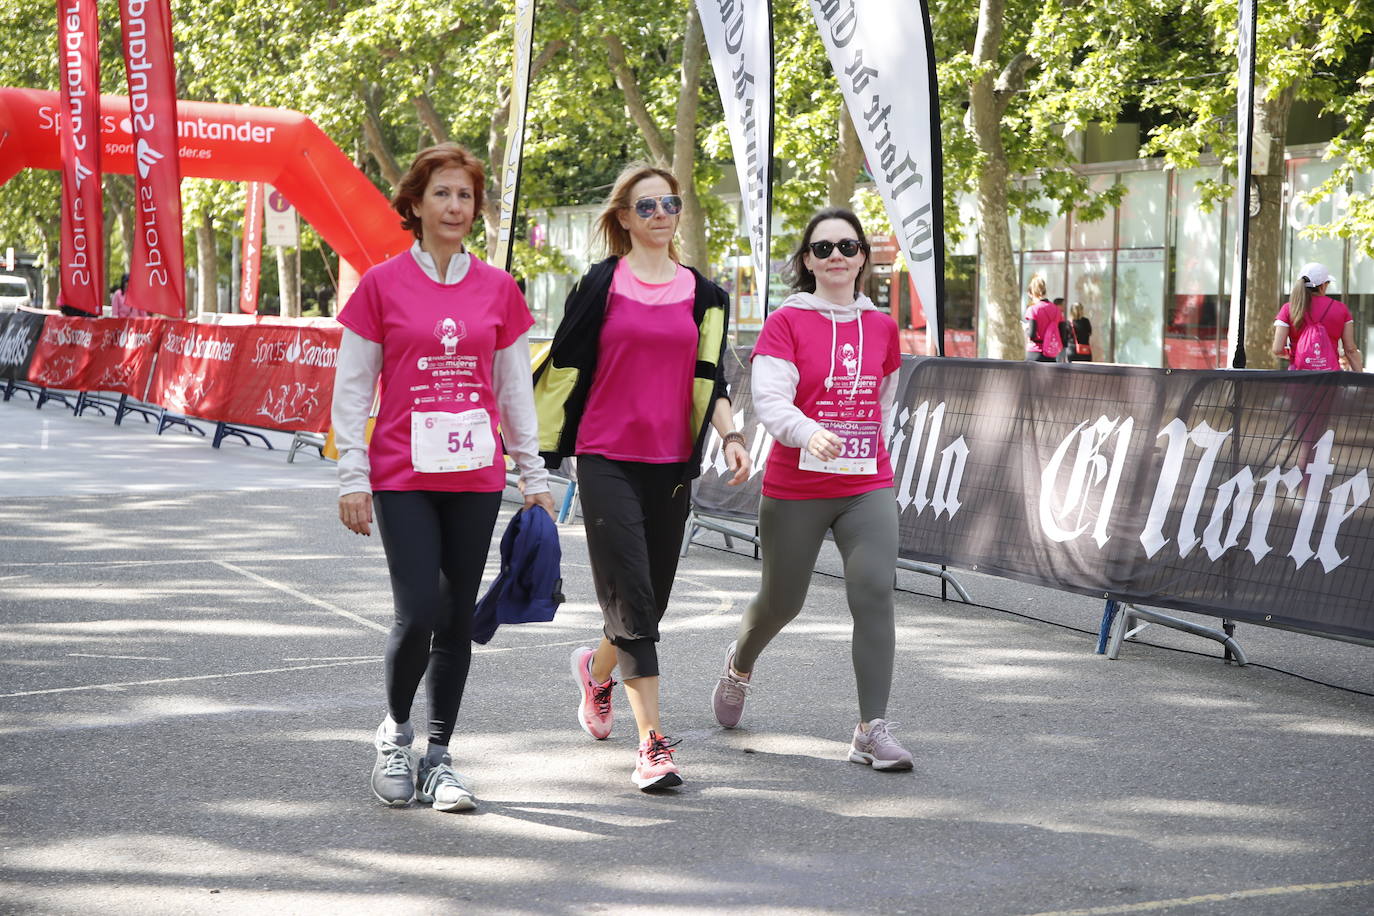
[[530, 586]]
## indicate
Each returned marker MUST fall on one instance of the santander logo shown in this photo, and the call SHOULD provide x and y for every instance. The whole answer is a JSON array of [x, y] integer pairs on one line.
[[147, 158]]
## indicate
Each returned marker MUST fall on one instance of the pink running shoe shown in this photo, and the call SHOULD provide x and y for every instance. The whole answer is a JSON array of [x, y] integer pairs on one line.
[[594, 708], [878, 748], [655, 768], [728, 697]]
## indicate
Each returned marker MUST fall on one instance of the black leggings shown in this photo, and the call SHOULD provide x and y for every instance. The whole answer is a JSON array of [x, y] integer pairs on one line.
[[634, 513], [436, 549]]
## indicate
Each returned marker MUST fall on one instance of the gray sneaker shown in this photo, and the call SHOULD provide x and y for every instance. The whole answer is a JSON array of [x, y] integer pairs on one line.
[[878, 748], [393, 775], [443, 788], [728, 697]]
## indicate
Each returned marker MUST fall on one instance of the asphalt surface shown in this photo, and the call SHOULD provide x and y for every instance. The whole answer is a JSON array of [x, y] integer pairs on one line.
[[190, 676]]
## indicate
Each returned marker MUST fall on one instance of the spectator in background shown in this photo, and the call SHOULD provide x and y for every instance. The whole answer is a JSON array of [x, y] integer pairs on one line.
[[119, 301], [1082, 332], [1331, 326], [1042, 319]]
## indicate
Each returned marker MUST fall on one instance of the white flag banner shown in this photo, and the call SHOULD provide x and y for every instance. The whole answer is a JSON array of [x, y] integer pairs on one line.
[[1241, 203], [882, 54], [739, 35], [503, 256]]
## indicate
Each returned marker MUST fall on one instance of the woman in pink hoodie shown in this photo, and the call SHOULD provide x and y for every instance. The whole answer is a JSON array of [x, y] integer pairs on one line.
[[824, 379]]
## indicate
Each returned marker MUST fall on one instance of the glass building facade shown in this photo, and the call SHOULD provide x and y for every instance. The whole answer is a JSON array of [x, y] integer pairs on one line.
[[1152, 275]]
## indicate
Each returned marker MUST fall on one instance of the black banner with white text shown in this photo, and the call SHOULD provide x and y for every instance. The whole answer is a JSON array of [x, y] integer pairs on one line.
[[1235, 494]]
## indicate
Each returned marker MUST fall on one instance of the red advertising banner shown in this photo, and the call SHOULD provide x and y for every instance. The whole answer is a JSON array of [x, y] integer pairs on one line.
[[252, 249], [157, 280], [65, 349], [284, 377], [194, 373], [126, 349], [83, 236]]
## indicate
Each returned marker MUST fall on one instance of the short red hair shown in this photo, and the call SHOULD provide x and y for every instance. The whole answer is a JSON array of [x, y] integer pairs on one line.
[[411, 190]]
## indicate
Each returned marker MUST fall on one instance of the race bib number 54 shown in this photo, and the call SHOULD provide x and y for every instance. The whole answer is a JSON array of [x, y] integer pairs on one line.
[[858, 450], [442, 442]]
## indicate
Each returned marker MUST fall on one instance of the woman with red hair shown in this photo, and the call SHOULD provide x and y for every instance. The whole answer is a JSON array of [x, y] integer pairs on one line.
[[446, 335]]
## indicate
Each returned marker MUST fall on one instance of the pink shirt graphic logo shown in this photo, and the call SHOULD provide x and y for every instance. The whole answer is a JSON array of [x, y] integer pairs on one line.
[[449, 332]]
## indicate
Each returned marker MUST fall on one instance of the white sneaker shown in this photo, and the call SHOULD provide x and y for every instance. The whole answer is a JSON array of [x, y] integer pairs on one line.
[[443, 788]]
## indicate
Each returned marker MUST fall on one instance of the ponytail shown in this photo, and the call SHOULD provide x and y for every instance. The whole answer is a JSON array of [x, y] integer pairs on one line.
[[1298, 303]]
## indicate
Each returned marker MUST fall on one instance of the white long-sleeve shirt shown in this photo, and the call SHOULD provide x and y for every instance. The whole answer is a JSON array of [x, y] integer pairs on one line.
[[355, 380]]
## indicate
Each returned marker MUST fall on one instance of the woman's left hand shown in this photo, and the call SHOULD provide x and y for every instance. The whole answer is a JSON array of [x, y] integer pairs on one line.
[[544, 500], [737, 460]]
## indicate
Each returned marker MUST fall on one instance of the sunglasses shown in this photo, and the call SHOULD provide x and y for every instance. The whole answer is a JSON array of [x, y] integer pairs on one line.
[[645, 207], [848, 248]]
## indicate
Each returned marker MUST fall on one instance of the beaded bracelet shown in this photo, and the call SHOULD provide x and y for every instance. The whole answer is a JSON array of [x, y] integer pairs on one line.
[[734, 436]]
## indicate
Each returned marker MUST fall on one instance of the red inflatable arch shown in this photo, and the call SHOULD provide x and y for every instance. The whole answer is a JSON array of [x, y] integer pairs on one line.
[[232, 143]]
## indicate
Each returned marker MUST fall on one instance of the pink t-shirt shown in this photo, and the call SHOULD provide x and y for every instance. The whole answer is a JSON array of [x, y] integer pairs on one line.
[[1046, 316], [802, 337], [640, 404], [438, 342], [1332, 313]]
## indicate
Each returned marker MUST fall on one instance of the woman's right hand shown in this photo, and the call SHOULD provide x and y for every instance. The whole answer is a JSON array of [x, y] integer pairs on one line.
[[355, 511], [825, 445]]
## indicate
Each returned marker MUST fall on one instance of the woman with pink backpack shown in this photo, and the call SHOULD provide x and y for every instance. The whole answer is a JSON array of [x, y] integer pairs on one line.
[[1312, 329]]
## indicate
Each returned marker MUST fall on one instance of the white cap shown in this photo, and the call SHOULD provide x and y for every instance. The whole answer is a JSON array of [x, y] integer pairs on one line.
[[1315, 274]]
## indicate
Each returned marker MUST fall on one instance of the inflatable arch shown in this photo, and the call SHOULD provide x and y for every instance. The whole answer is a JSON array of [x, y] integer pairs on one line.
[[233, 143]]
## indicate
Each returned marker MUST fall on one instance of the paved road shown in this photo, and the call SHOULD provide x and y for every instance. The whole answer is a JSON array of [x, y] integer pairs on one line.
[[190, 674]]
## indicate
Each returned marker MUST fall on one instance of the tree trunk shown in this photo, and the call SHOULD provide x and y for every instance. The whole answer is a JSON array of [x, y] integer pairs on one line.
[[376, 142], [843, 173], [288, 282], [207, 266], [1264, 287], [677, 152], [496, 158], [692, 227], [235, 272], [424, 107], [51, 236], [659, 152], [988, 100]]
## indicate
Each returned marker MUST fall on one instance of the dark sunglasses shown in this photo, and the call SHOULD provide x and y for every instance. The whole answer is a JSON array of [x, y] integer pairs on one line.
[[848, 248], [645, 207]]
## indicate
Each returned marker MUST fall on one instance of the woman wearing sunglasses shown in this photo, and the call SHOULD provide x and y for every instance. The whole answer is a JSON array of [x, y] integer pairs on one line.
[[632, 382], [824, 381]]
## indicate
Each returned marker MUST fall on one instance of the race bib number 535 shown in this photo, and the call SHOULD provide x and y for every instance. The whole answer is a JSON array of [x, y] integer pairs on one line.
[[442, 442], [858, 449]]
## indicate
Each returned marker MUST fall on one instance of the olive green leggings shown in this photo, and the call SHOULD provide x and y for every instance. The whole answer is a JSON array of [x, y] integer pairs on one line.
[[865, 530]]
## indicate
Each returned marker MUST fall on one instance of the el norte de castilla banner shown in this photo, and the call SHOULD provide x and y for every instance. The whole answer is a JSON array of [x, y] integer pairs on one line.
[[1239, 495]]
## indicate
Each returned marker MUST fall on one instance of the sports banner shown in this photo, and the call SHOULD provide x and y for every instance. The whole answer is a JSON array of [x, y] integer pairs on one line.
[[1240, 495], [194, 368], [19, 333], [883, 56], [739, 35], [64, 350], [504, 255], [123, 358], [82, 283], [283, 378], [252, 248], [157, 278], [1240, 201]]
